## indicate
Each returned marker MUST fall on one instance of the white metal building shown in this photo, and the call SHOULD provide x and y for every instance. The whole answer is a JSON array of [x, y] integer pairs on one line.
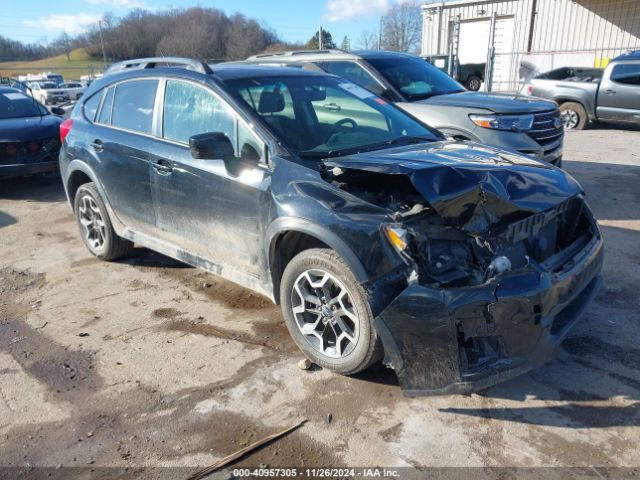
[[531, 35]]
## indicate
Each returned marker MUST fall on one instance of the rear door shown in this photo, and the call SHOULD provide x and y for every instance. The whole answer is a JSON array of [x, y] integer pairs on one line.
[[619, 93], [201, 208], [120, 139]]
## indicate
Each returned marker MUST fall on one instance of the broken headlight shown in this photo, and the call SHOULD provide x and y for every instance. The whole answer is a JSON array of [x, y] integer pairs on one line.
[[398, 237]]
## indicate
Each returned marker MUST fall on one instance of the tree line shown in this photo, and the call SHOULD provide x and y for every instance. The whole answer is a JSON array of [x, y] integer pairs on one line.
[[197, 32], [15, 50], [210, 34]]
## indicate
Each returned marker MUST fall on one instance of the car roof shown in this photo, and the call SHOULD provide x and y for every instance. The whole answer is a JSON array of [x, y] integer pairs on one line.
[[9, 90], [633, 55], [222, 71], [233, 71], [293, 56]]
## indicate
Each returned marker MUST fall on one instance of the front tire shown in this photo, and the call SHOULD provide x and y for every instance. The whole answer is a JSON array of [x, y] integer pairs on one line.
[[574, 116], [95, 226], [327, 312]]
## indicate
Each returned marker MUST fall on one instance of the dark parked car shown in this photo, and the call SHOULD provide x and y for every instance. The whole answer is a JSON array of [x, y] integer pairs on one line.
[[29, 135], [471, 75], [459, 264]]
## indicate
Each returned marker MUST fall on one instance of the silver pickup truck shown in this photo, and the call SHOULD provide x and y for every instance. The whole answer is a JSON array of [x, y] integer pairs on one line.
[[611, 95]]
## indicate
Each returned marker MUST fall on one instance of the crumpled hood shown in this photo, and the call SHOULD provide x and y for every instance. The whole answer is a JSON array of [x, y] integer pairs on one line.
[[497, 103], [29, 128], [471, 186]]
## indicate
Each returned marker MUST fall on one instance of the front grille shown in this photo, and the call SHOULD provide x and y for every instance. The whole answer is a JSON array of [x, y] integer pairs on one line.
[[544, 130], [28, 151], [547, 233]]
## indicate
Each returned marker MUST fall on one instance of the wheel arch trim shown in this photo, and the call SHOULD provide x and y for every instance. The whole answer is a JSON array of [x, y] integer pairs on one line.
[[283, 225], [77, 165]]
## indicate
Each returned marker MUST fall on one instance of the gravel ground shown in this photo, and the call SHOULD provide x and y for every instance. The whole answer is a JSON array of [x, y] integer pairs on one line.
[[147, 362]]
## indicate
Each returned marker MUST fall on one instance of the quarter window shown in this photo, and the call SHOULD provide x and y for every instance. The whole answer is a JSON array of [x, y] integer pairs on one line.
[[133, 105], [91, 106], [105, 112]]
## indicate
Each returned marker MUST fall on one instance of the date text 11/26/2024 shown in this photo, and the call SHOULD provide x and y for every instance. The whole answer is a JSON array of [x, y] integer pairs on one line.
[[341, 473]]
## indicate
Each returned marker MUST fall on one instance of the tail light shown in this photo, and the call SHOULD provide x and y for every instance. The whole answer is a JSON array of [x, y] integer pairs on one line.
[[528, 89], [65, 128], [10, 149]]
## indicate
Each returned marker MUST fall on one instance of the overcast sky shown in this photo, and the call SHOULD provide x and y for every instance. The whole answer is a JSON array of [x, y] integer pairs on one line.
[[293, 20]]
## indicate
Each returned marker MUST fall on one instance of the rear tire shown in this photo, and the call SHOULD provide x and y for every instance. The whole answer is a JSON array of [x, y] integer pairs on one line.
[[95, 226], [327, 312], [574, 116], [474, 83]]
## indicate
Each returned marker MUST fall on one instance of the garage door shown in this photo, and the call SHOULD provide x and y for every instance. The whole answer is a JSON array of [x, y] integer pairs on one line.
[[474, 44], [474, 41]]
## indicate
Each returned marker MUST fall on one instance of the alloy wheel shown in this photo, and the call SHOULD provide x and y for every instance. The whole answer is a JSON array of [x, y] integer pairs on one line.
[[570, 119], [92, 222], [324, 313]]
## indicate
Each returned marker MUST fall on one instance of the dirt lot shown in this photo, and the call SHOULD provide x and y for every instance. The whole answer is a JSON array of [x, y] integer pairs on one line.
[[148, 362]]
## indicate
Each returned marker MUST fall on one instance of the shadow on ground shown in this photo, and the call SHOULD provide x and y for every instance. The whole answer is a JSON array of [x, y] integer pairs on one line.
[[613, 126], [6, 219], [37, 188]]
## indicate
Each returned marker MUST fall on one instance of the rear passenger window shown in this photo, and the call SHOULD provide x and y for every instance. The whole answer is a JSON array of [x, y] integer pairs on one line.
[[91, 106], [133, 105], [105, 111]]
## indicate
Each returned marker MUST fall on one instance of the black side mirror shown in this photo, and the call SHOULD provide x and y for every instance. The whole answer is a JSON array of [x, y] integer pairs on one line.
[[211, 146], [58, 111], [216, 145]]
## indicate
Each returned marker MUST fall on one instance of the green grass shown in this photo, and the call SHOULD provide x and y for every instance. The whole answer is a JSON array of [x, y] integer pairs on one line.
[[80, 64]]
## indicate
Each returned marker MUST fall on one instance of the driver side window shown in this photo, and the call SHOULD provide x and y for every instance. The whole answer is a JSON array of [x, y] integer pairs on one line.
[[190, 110]]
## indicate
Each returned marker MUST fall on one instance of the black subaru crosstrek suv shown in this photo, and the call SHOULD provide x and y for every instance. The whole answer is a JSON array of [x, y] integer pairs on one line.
[[458, 264]]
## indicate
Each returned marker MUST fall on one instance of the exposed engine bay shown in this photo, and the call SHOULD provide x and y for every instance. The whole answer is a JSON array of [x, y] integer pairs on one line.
[[445, 255]]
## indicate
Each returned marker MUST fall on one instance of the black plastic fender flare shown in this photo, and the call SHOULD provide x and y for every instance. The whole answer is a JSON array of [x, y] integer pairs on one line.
[[288, 224]]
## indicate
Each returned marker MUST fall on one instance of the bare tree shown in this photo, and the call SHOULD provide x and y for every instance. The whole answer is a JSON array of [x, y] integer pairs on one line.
[[64, 43], [246, 37], [402, 27], [368, 40]]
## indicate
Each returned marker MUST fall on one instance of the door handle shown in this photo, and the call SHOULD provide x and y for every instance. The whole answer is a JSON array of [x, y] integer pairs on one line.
[[97, 145], [163, 167], [332, 106], [610, 92]]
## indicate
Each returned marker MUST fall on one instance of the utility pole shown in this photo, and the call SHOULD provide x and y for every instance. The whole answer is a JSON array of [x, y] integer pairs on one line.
[[380, 35], [320, 42], [104, 55]]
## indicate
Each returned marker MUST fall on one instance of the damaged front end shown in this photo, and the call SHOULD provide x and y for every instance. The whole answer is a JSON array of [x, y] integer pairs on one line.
[[502, 255]]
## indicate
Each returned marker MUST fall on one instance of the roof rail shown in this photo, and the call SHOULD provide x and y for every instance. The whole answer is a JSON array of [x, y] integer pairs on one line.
[[152, 62], [289, 53]]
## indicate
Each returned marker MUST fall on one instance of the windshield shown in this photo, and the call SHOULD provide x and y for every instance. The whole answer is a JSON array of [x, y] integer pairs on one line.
[[18, 105], [49, 85], [319, 116], [415, 78]]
